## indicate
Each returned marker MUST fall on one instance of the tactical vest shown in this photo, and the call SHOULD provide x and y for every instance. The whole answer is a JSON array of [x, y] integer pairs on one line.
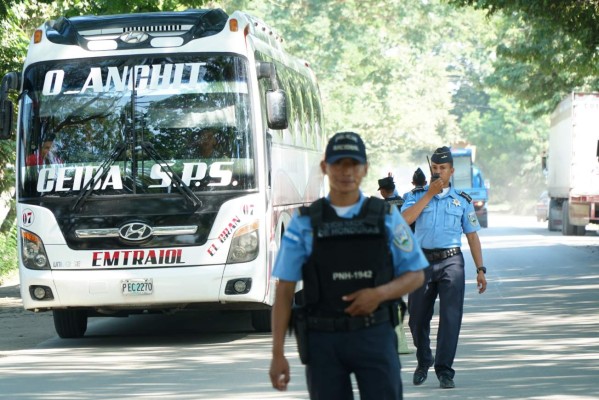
[[347, 255], [397, 200]]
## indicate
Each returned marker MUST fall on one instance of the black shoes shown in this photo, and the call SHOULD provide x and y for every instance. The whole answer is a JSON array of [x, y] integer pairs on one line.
[[420, 375], [445, 382]]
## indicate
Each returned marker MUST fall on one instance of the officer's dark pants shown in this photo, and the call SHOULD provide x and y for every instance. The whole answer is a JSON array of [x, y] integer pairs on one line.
[[446, 279], [369, 353]]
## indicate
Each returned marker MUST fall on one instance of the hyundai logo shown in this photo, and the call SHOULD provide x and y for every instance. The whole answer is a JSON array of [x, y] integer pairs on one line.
[[134, 37], [135, 231]]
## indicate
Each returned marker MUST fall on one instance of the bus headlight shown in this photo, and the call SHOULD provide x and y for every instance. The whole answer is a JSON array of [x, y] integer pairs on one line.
[[33, 252], [245, 244]]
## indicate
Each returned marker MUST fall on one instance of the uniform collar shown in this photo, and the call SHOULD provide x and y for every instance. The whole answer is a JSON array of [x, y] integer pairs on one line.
[[452, 192], [354, 209]]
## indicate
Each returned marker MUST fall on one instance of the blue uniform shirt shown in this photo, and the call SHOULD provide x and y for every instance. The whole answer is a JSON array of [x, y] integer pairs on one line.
[[443, 220], [296, 245]]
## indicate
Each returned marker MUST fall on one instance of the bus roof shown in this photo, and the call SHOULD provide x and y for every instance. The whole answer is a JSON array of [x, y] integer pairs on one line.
[[191, 23]]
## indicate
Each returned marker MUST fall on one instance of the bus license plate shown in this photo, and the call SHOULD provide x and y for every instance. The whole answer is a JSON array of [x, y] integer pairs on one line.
[[137, 286]]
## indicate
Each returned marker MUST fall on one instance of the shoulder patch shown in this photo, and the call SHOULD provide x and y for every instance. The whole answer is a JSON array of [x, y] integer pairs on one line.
[[472, 218], [466, 196], [402, 239]]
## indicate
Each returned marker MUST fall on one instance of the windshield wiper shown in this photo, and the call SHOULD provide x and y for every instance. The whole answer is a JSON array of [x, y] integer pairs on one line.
[[186, 192], [100, 174]]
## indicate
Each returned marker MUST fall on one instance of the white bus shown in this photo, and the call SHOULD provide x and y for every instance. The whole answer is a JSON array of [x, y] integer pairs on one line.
[[159, 158]]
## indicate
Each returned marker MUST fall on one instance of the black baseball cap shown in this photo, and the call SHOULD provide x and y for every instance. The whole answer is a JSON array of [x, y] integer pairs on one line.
[[442, 155], [386, 183], [345, 144]]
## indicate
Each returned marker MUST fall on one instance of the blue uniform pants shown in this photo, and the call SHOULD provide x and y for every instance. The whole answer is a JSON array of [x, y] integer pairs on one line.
[[369, 353], [445, 279]]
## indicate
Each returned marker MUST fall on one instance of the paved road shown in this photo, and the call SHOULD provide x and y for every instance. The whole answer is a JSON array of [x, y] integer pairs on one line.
[[533, 335]]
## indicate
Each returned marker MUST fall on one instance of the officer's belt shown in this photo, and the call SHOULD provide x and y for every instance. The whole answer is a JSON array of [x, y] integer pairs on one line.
[[331, 324], [441, 254]]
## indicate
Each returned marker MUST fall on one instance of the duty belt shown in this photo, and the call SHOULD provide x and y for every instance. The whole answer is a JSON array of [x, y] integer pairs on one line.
[[332, 324], [441, 254]]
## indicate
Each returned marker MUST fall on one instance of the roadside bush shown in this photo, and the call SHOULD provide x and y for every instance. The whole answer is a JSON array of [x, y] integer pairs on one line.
[[8, 251]]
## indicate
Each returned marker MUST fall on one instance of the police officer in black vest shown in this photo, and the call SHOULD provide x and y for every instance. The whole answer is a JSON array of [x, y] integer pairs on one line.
[[356, 256], [388, 192], [442, 215], [418, 179], [419, 182]]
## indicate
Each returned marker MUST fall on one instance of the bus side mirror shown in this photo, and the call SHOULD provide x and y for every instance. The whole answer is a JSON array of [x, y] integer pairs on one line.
[[276, 109], [10, 81]]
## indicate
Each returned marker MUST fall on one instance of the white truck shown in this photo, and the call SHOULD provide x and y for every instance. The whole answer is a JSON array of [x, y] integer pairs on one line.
[[572, 164]]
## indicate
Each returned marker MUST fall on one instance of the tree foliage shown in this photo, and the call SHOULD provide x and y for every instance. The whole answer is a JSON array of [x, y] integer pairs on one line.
[[412, 76], [548, 48], [408, 75]]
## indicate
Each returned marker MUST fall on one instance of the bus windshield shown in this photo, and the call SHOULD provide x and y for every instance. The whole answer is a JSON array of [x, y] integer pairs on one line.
[[125, 125]]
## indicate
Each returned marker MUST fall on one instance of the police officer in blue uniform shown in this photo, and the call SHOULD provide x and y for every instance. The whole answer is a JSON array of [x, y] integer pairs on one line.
[[356, 256], [441, 214]]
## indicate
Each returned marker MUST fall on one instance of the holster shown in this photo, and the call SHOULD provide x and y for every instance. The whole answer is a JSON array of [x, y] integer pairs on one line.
[[395, 311], [299, 326]]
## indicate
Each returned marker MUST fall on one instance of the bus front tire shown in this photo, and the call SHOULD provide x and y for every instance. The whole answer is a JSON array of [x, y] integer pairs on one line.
[[261, 320], [70, 324]]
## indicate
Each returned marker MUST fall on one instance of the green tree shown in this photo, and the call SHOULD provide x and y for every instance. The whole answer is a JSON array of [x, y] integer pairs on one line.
[[548, 49], [514, 137], [387, 77], [410, 76]]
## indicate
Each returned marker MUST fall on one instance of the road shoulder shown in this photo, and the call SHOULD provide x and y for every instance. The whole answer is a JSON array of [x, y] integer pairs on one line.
[[20, 329]]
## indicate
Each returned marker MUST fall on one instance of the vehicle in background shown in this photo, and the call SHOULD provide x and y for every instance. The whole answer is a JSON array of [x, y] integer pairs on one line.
[[183, 143], [469, 178], [542, 207], [572, 164]]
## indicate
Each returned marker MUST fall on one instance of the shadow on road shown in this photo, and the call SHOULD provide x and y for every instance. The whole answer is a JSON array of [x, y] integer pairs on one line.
[[184, 327]]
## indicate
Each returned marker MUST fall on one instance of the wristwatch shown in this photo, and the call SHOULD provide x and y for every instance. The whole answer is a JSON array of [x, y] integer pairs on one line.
[[478, 269]]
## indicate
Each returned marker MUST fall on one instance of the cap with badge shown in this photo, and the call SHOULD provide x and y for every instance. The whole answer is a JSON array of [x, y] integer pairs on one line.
[[345, 145], [442, 155], [386, 183]]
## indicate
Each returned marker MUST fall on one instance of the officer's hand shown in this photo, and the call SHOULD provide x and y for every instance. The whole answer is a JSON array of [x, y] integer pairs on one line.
[[279, 372], [436, 186], [363, 302], [481, 282]]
